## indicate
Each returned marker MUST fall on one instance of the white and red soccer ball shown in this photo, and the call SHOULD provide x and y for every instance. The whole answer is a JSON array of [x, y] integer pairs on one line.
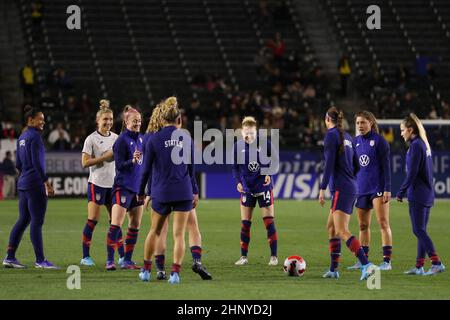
[[294, 266]]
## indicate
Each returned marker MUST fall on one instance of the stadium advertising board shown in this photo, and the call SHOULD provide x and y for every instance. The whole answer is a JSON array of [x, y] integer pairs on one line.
[[299, 174]]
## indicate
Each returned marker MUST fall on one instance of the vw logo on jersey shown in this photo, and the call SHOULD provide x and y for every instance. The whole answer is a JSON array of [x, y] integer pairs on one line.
[[379, 194], [22, 143], [372, 143], [253, 166], [364, 160], [140, 161]]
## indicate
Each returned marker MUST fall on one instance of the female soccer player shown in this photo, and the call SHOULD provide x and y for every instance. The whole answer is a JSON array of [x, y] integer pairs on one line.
[[97, 155], [195, 238], [173, 187], [34, 188], [341, 166], [374, 185], [418, 186], [128, 157], [253, 188]]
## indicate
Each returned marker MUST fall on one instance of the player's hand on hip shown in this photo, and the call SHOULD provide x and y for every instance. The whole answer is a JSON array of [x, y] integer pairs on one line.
[[267, 180], [386, 197], [322, 197], [140, 198], [49, 189], [195, 201], [240, 188]]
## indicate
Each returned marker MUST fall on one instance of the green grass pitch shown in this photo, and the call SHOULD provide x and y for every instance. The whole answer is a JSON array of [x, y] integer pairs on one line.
[[301, 231]]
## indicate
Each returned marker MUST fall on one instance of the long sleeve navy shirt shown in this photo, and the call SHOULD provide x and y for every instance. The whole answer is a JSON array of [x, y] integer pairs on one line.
[[127, 172], [340, 167], [374, 173], [418, 184], [166, 180], [30, 160]]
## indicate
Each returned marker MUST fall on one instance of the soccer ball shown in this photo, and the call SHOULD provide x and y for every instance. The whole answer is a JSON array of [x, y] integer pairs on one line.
[[294, 266]]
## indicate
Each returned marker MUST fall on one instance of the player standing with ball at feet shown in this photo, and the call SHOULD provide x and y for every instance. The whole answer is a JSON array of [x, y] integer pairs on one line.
[[97, 155], [173, 186], [34, 190], [128, 157], [418, 186], [374, 185], [341, 167], [253, 187]]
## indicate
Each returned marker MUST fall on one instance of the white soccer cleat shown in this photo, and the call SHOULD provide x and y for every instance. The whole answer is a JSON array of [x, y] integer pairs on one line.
[[242, 261], [273, 261]]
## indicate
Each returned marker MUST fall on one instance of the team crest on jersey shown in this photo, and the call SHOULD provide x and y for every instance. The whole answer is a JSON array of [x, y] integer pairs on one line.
[[364, 160], [123, 199], [98, 196], [253, 166], [372, 143]]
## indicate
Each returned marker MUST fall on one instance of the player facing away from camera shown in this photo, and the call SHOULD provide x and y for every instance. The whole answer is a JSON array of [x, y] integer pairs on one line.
[[169, 157], [418, 186], [341, 166], [128, 157], [254, 188], [33, 188], [97, 155], [374, 185], [156, 123]]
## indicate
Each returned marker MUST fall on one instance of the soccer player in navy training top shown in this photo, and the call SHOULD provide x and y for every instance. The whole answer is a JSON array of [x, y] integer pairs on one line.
[[341, 166], [97, 155], [253, 187], [173, 186], [374, 185], [33, 187], [128, 158], [419, 188], [156, 123]]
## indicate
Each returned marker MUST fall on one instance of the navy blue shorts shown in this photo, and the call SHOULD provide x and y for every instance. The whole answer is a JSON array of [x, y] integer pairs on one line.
[[165, 208], [343, 202], [125, 198], [99, 195], [365, 201], [265, 199]]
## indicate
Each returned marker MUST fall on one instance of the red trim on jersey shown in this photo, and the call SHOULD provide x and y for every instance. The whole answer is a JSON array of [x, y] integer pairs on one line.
[[93, 193], [335, 200]]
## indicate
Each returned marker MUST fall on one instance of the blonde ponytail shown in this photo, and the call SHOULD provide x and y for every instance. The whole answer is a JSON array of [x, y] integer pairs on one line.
[[156, 122], [169, 109], [421, 131]]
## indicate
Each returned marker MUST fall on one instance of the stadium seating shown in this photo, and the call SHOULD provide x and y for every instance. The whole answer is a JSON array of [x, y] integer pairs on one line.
[[409, 30]]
